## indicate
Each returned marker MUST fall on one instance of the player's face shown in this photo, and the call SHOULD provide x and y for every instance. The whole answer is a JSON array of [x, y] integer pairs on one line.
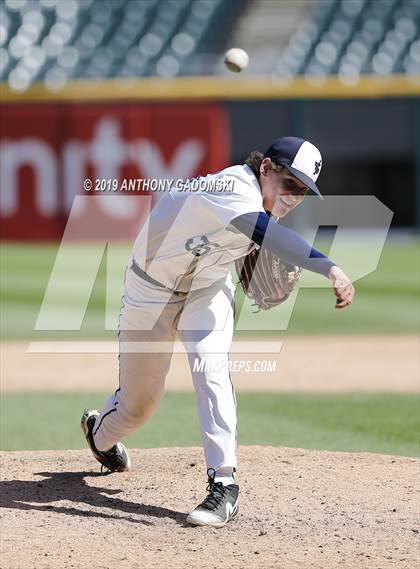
[[282, 191]]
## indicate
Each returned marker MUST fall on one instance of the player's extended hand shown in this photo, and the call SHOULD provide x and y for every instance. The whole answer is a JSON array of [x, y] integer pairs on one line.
[[343, 288]]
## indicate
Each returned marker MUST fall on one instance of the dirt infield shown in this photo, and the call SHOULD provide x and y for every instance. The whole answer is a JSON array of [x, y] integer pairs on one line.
[[298, 509], [323, 363]]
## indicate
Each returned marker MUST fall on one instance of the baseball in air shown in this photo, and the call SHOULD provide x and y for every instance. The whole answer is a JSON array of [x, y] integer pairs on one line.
[[236, 59]]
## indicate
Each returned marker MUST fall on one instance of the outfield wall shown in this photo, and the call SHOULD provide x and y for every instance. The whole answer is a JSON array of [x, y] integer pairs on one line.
[[50, 142]]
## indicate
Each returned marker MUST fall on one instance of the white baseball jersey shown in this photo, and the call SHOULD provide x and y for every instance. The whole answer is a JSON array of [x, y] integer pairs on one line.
[[186, 226]]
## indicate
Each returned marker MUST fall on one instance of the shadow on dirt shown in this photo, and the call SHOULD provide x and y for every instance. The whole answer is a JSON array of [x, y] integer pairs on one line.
[[72, 487]]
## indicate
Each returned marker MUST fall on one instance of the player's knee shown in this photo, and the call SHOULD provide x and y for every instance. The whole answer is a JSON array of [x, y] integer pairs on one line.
[[207, 349]]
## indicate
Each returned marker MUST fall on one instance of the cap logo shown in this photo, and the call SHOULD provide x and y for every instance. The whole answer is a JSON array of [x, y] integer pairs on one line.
[[317, 167]]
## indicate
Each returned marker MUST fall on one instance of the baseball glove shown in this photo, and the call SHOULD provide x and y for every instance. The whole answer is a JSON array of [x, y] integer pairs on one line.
[[265, 278]]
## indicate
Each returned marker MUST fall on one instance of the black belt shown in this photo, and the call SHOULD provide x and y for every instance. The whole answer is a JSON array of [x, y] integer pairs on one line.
[[140, 273]]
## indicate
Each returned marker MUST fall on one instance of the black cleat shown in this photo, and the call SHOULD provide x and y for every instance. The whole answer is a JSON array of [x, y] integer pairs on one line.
[[115, 459], [220, 506]]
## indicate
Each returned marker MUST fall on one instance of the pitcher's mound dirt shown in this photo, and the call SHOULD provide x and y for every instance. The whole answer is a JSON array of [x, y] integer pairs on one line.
[[298, 509]]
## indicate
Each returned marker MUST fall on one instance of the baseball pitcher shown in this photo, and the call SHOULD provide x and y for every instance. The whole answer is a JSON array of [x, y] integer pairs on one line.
[[178, 282]]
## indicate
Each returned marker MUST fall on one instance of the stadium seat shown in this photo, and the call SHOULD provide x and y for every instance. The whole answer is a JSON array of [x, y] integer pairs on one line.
[[55, 40]]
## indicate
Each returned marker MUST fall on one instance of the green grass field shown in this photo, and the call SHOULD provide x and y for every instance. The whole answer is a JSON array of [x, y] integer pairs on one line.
[[386, 301], [384, 423]]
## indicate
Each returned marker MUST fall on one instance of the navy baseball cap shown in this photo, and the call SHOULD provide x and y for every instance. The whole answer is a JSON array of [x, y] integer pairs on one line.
[[300, 157]]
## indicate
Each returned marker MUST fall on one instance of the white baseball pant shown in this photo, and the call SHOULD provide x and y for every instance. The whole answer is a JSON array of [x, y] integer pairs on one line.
[[149, 320]]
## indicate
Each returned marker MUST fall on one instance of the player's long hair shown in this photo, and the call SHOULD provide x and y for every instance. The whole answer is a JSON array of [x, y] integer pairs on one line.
[[254, 162]]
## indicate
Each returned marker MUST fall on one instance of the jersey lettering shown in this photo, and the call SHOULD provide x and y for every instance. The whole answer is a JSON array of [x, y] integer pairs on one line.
[[199, 245]]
